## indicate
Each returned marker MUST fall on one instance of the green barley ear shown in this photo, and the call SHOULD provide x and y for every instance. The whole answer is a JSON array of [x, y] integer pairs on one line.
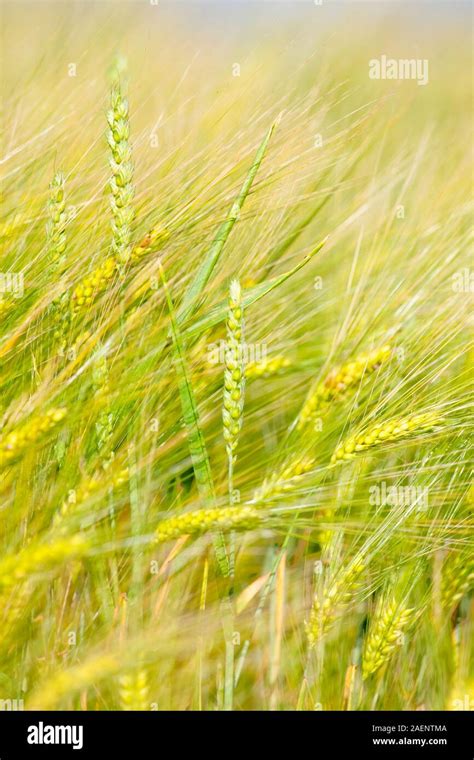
[[6, 304], [56, 242], [206, 521], [40, 558], [94, 283], [56, 224], [341, 380], [113, 477], [133, 691], [105, 420], [391, 618], [121, 182], [15, 444], [267, 367], [234, 377], [457, 579], [152, 241], [331, 598], [386, 432], [285, 479]]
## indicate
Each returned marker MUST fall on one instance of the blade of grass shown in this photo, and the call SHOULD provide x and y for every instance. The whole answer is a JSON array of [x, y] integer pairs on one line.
[[196, 443], [204, 272], [251, 296]]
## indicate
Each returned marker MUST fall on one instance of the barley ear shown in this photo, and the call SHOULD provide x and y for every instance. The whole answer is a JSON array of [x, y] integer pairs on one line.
[[386, 432], [14, 444], [267, 367], [121, 181], [285, 480], [234, 378], [457, 579], [203, 521], [340, 381], [56, 224], [392, 617], [133, 690], [332, 597], [105, 420]]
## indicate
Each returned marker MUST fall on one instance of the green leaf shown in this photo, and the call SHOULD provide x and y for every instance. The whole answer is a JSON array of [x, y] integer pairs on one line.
[[191, 299], [196, 443], [252, 295]]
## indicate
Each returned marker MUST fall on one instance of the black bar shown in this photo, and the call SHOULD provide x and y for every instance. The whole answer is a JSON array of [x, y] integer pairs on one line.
[[309, 734]]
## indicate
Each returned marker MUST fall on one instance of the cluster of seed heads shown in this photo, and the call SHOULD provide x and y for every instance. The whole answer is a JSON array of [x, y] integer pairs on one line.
[[56, 242], [151, 241], [340, 380], [73, 679], [386, 432], [85, 293]]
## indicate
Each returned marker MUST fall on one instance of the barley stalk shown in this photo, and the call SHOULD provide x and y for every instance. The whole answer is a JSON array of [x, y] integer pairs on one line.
[[6, 303]]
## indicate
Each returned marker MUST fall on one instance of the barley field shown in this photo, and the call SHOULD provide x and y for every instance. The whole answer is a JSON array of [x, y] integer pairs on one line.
[[236, 357]]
